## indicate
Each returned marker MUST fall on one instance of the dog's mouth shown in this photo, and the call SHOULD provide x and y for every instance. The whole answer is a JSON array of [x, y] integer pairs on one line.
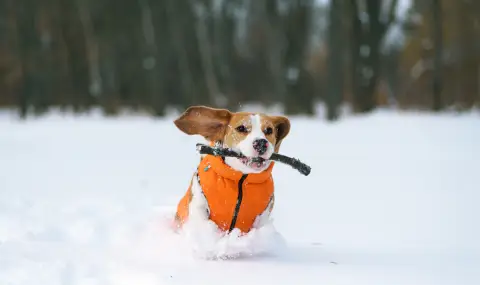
[[256, 163]]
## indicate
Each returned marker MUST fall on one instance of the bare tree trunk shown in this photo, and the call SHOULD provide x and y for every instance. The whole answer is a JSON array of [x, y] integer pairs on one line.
[[78, 77], [335, 62], [369, 59], [300, 92], [356, 43], [28, 45], [264, 16], [467, 41], [276, 47], [225, 52], [478, 85], [205, 49], [438, 57], [175, 25], [367, 44], [150, 60], [91, 49]]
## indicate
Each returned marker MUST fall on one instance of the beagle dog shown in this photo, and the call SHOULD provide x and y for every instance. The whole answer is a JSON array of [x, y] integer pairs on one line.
[[234, 193]]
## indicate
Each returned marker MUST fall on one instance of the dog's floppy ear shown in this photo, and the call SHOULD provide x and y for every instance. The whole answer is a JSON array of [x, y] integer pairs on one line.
[[208, 122], [282, 126]]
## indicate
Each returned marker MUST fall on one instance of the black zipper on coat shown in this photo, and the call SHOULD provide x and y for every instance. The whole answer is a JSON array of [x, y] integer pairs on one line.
[[239, 202]]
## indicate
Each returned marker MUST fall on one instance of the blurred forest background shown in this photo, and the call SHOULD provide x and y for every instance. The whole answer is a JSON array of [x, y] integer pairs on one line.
[[148, 55]]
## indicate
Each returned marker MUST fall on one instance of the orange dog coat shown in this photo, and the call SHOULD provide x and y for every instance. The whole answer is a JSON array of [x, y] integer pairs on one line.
[[234, 199]]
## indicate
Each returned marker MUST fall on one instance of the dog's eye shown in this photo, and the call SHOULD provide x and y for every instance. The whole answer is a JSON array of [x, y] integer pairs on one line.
[[242, 129], [268, 131]]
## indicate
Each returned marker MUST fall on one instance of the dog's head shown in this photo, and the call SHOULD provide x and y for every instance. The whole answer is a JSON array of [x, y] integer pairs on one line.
[[252, 134]]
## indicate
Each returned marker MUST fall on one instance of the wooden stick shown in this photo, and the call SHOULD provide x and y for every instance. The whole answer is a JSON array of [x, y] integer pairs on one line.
[[226, 152]]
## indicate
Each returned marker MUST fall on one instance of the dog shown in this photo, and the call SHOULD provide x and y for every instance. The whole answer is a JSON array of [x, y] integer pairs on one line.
[[233, 193]]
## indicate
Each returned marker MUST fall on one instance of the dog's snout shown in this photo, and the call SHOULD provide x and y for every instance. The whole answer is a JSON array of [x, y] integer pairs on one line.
[[260, 145]]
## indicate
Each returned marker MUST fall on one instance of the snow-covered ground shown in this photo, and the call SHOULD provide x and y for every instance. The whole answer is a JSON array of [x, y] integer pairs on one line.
[[392, 199]]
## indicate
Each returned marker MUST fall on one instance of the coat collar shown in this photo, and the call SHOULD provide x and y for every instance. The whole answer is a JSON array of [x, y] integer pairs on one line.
[[222, 169]]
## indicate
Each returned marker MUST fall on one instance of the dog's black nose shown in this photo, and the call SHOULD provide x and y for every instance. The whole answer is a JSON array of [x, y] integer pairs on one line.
[[260, 145]]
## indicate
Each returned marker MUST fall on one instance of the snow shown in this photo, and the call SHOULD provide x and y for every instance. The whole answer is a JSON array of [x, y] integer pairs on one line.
[[392, 199]]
